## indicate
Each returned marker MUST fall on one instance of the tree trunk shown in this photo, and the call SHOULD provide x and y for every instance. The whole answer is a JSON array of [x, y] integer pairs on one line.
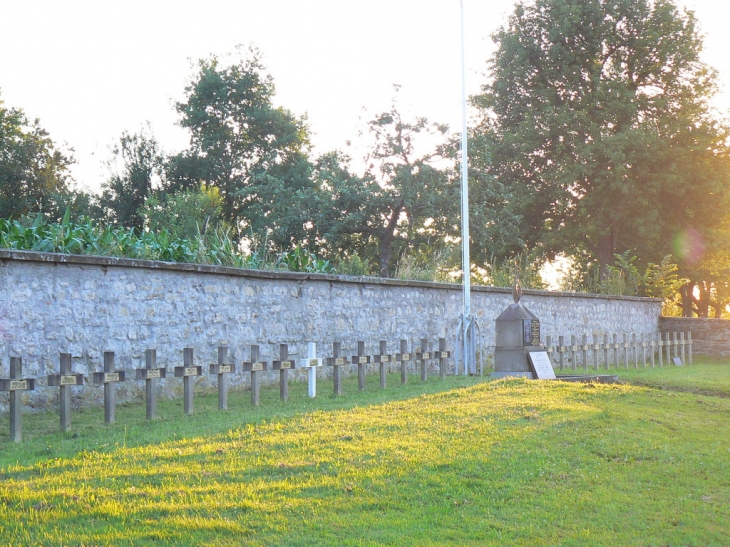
[[386, 250], [685, 291], [703, 302]]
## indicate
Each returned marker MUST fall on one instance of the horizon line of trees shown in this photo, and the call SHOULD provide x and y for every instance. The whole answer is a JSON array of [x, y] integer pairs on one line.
[[594, 141]]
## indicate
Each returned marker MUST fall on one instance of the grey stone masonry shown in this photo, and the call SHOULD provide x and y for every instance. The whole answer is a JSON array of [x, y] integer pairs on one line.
[[85, 305]]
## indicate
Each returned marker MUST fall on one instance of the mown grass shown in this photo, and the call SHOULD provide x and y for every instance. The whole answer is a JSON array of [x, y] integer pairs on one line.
[[460, 462], [708, 376]]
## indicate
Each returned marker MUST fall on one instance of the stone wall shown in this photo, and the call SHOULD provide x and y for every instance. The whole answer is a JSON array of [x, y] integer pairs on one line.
[[709, 336], [83, 305]]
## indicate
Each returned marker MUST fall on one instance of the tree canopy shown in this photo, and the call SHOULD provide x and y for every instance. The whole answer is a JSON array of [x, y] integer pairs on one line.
[[600, 136], [33, 170]]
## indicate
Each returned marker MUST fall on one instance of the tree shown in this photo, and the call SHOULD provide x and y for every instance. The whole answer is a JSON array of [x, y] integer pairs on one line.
[[32, 168], [601, 136], [405, 202], [137, 161], [185, 213], [240, 143]]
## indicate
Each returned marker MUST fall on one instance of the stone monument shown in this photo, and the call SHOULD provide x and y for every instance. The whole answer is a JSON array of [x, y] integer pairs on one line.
[[517, 332]]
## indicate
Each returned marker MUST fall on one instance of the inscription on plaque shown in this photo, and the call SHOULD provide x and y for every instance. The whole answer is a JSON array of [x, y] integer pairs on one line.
[[18, 385], [541, 365], [443, 354], [339, 361], [222, 369], [68, 380], [111, 377], [153, 373], [384, 358], [257, 366], [585, 348], [362, 360], [574, 348], [597, 347], [405, 357], [285, 364], [190, 371], [425, 355], [531, 328], [314, 362]]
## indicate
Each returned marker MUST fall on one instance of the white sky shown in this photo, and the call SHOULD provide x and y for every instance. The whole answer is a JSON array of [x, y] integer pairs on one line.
[[91, 69]]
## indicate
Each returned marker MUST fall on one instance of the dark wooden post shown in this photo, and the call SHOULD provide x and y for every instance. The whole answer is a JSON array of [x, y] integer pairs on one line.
[[643, 350], [16, 384], [682, 343], [660, 349], [423, 356], [561, 350], [403, 357], [361, 360], [584, 351], [549, 348], [150, 374], [443, 355], [652, 348], [383, 359], [615, 350], [108, 378], [689, 346], [221, 369], [606, 345], [283, 365], [188, 372], [626, 350], [573, 350], [596, 347], [336, 361], [255, 367], [675, 345], [65, 380]]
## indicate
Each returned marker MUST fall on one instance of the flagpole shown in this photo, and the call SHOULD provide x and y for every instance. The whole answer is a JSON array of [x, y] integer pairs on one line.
[[467, 331]]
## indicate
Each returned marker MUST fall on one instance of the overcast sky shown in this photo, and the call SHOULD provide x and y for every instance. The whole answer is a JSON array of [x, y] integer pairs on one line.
[[92, 69]]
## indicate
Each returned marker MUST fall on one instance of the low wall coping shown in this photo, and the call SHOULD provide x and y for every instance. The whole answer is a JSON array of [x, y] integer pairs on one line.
[[207, 269]]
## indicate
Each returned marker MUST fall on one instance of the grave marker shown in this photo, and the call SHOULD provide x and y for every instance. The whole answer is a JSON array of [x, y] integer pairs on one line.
[[312, 362], [562, 349], [403, 357], [336, 361], [255, 367], [423, 356], [283, 365], [65, 380], [16, 384], [361, 360], [108, 378], [150, 374], [442, 356], [222, 370], [677, 361], [383, 359], [541, 365], [188, 372]]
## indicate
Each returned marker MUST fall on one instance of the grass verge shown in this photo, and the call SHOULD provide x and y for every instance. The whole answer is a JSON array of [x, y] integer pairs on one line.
[[460, 462]]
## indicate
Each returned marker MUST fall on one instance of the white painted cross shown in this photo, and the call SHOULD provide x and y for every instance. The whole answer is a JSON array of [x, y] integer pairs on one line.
[[312, 363]]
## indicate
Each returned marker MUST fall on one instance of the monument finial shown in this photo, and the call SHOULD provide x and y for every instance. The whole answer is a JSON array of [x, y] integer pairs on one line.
[[516, 287]]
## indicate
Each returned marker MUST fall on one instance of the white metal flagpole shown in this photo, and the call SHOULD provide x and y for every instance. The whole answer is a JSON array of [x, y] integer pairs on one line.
[[467, 330]]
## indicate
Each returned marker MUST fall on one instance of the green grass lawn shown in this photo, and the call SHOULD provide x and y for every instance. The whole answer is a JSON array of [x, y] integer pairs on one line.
[[706, 376], [455, 462]]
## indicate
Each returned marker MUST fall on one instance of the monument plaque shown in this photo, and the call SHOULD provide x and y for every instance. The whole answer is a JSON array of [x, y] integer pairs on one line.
[[541, 365]]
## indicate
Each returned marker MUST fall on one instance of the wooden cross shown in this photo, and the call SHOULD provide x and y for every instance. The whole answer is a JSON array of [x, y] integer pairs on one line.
[[442, 355], [65, 381], [336, 361], [361, 360], [188, 372], [283, 365], [108, 378], [255, 367], [150, 374], [15, 385], [423, 356], [222, 370], [383, 358], [403, 357]]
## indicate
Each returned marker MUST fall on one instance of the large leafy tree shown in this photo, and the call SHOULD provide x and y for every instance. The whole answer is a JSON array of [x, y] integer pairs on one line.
[[599, 130], [33, 170], [136, 164], [251, 150], [406, 201]]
